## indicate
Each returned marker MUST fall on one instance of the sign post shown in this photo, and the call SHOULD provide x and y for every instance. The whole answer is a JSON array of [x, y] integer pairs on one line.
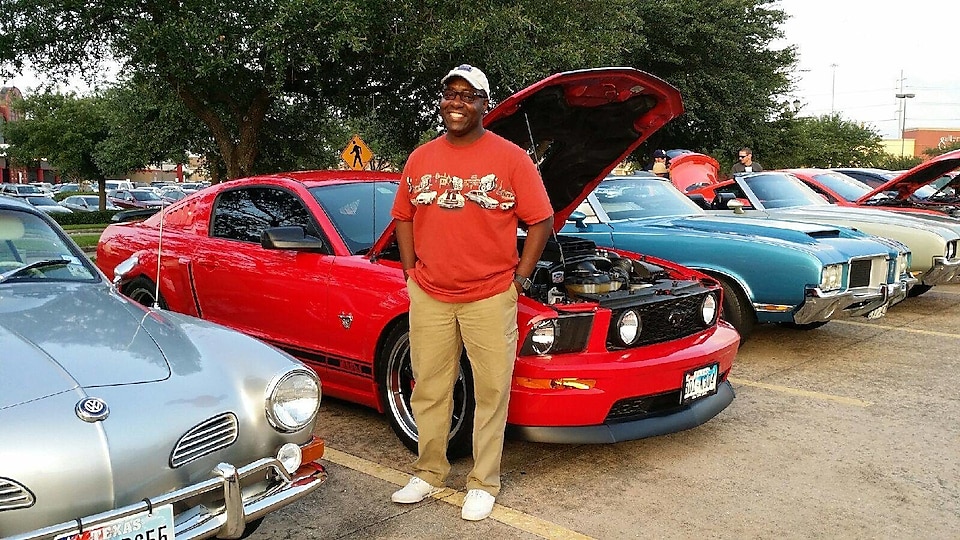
[[356, 154]]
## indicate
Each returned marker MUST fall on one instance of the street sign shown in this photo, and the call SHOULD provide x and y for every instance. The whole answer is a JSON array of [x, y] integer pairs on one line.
[[356, 154]]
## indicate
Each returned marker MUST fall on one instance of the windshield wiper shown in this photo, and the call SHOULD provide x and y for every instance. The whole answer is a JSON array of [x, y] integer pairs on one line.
[[36, 264]]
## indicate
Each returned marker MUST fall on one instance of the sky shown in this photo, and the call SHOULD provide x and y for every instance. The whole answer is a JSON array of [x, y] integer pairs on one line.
[[854, 57]]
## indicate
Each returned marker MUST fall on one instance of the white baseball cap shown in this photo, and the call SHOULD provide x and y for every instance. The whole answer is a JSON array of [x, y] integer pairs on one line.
[[472, 75]]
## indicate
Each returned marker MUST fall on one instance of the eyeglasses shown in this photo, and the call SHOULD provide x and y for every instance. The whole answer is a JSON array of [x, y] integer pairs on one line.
[[466, 96], [743, 156]]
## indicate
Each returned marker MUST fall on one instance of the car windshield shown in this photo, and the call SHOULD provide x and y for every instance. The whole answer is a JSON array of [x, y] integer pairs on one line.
[[31, 250], [643, 198], [145, 195], [360, 211], [850, 189], [42, 201], [776, 190]]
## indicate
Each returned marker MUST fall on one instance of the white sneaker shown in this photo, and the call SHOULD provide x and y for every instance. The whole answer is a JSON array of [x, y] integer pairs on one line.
[[415, 491], [477, 505]]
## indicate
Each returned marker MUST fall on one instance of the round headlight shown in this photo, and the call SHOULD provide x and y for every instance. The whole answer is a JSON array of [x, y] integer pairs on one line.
[[293, 400], [708, 309], [629, 326], [290, 456], [543, 336]]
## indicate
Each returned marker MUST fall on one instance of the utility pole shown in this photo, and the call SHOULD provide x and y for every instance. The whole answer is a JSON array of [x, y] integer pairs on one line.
[[833, 85]]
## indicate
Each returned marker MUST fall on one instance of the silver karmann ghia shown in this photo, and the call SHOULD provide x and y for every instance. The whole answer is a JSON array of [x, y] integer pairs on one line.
[[118, 421]]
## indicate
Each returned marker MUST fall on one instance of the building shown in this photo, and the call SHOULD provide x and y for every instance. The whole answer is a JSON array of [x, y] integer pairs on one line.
[[8, 173]]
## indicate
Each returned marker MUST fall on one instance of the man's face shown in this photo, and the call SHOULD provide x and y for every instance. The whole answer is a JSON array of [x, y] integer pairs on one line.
[[744, 157], [459, 117]]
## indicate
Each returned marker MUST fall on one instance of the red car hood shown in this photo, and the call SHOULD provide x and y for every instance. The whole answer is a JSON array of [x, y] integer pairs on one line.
[[581, 124], [909, 182], [691, 171]]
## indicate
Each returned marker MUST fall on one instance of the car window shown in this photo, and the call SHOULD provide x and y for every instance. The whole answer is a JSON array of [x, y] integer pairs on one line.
[[643, 198], [26, 239], [242, 214], [782, 191], [360, 211]]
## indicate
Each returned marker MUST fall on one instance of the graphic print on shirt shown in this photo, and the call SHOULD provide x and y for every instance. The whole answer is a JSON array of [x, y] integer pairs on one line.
[[452, 192]]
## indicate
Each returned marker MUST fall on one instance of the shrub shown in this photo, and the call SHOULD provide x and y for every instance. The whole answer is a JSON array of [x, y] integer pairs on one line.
[[99, 217]]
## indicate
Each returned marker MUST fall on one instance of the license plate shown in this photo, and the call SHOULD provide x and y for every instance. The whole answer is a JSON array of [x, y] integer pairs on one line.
[[700, 382], [143, 526]]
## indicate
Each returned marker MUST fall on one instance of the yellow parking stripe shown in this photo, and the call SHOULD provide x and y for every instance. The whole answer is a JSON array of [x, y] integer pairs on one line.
[[900, 329], [803, 393], [503, 514]]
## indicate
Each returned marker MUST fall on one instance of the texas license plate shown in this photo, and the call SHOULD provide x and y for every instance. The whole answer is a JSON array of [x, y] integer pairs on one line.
[[700, 382], [143, 526]]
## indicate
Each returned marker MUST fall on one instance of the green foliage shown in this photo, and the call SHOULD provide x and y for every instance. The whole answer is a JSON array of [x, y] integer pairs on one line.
[[84, 218], [827, 141], [891, 162], [936, 151]]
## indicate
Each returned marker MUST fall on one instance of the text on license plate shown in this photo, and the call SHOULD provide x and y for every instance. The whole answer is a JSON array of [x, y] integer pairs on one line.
[[142, 526], [700, 382]]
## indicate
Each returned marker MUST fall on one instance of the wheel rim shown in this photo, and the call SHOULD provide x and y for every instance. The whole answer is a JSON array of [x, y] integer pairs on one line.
[[400, 383], [142, 295]]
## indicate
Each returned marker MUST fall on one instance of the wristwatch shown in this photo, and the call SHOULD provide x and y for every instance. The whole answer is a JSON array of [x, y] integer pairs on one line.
[[525, 282]]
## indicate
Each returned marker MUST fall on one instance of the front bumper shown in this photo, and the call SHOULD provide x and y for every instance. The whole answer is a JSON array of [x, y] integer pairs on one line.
[[943, 271], [821, 307], [228, 520]]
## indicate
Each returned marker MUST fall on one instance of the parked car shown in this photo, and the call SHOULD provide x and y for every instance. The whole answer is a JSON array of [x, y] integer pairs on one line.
[[66, 188], [20, 190], [798, 274], [780, 195], [612, 345], [156, 424], [118, 184], [172, 193], [47, 205], [86, 203], [137, 198]]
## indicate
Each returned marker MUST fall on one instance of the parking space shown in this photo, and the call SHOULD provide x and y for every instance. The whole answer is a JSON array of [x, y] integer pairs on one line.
[[847, 431]]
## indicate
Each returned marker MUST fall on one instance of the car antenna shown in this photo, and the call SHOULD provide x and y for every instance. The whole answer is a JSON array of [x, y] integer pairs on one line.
[[536, 161], [156, 293]]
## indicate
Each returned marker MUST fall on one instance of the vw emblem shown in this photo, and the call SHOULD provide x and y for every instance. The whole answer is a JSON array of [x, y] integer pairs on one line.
[[675, 318], [92, 409]]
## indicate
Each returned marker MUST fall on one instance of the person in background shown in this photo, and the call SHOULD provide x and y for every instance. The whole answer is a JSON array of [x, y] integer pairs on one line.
[[745, 163], [464, 277], [659, 166]]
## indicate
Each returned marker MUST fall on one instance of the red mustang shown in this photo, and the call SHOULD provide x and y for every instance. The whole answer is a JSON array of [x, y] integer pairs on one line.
[[613, 346]]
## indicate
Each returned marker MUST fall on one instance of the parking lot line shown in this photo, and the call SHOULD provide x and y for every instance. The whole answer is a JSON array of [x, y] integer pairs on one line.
[[901, 329], [804, 393], [503, 514]]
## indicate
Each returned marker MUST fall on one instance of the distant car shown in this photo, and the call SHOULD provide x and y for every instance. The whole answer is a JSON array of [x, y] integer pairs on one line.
[[20, 190], [66, 188], [802, 275], [118, 184], [172, 193], [196, 186], [160, 425], [45, 187], [612, 345], [86, 203], [781, 195], [47, 204], [137, 198]]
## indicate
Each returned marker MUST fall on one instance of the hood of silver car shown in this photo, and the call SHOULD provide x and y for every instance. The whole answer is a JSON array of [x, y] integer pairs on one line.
[[79, 335], [579, 125]]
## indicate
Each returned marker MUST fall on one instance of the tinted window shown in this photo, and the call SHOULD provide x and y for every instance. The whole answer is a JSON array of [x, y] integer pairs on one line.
[[242, 214], [360, 211]]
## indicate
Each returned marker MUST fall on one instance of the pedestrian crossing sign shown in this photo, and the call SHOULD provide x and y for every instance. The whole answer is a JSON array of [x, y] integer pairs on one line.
[[356, 154]]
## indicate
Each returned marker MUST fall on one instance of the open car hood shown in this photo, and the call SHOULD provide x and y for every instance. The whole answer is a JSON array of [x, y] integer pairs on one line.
[[907, 183], [691, 170], [579, 125]]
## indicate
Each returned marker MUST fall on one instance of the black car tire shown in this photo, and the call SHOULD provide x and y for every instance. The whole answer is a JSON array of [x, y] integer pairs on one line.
[[395, 383], [917, 290], [143, 291], [737, 309]]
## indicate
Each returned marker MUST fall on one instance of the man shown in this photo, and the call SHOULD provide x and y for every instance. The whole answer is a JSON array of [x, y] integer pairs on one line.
[[659, 166], [745, 163], [459, 255]]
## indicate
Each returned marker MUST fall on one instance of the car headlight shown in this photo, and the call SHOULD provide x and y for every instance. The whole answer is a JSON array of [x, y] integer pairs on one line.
[[903, 262], [708, 309], [951, 249], [832, 277], [293, 400], [629, 325], [543, 336]]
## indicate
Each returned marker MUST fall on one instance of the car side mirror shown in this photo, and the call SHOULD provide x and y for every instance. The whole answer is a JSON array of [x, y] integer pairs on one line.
[[294, 238], [736, 206], [577, 217]]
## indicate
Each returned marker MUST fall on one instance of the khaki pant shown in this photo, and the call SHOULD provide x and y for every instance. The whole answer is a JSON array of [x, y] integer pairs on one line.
[[438, 333]]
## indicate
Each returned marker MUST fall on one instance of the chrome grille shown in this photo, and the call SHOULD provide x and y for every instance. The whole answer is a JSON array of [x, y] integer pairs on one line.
[[868, 272], [13, 495], [204, 439]]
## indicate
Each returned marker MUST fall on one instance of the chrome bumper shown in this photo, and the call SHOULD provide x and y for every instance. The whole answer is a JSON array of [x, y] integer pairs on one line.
[[820, 307], [226, 521], [943, 271]]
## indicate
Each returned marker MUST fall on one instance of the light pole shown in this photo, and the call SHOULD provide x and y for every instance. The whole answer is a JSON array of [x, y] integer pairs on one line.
[[833, 84], [903, 120]]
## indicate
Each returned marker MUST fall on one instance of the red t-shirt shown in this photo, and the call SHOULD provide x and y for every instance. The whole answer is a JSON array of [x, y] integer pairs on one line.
[[465, 203]]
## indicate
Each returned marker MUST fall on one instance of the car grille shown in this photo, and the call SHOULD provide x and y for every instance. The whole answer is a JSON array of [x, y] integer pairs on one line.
[[867, 272], [13, 495], [206, 438], [635, 408], [662, 321]]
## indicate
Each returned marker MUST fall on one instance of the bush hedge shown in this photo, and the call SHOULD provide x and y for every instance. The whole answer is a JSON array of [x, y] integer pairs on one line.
[[98, 217]]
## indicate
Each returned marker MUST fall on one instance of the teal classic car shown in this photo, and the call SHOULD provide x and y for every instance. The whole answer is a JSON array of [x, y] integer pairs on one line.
[[797, 274]]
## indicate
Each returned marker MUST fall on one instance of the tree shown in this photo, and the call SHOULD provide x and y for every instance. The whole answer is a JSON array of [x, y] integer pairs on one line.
[[831, 141]]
